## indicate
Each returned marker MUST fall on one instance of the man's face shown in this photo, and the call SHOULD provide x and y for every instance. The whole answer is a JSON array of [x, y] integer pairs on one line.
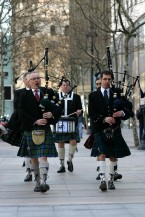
[[106, 81], [65, 87], [34, 80], [98, 83]]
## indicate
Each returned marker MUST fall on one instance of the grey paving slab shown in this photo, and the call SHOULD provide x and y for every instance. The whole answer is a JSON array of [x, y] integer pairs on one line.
[[73, 194]]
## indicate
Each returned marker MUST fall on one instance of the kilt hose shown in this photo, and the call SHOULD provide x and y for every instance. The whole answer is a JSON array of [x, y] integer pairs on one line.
[[46, 149], [116, 148]]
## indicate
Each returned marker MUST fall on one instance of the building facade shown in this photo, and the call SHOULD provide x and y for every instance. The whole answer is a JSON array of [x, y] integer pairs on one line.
[[6, 75], [43, 25], [136, 64], [75, 43]]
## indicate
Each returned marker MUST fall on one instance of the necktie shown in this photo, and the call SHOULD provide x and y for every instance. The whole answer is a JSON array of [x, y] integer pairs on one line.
[[36, 95], [106, 96]]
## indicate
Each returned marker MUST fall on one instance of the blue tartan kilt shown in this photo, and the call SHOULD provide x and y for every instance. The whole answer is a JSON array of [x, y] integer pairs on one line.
[[66, 137], [46, 149], [116, 148]]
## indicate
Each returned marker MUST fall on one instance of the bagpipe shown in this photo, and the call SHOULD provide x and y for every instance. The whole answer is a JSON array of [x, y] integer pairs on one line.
[[45, 102], [55, 100], [122, 92]]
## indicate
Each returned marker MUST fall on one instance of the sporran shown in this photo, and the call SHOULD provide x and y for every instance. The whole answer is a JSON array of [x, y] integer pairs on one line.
[[108, 134], [38, 136]]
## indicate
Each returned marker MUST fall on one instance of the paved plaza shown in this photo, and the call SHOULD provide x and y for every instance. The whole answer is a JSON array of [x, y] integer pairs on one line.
[[74, 194]]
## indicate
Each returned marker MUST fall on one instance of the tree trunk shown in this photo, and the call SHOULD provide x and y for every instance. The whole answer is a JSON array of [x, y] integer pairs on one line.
[[135, 134], [134, 128], [116, 59], [83, 90], [1, 90]]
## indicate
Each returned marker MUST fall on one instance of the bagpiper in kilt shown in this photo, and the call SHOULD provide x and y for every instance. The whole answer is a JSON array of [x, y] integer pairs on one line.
[[14, 135], [37, 141], [106, 121], [72, 108]]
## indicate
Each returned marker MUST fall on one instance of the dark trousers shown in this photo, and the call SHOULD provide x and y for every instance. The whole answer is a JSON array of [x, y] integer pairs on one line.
[[141, 129]]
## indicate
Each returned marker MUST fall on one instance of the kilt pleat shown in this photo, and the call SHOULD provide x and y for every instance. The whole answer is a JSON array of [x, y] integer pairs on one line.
[[116, 148], [65, 137], [46, 149]]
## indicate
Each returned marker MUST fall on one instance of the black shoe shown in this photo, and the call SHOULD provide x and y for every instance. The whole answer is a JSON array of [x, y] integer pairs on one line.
[[61, 170], [70, 166], [23, 165], [117, 176], [111, 185], [98, 177], [103, 186], [37, 187], [44, 188], [28, 178]]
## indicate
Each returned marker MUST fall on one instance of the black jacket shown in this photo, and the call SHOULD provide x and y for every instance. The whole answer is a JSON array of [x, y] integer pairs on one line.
[[98, 110], [29, 110], [14, 122], [72, 105]]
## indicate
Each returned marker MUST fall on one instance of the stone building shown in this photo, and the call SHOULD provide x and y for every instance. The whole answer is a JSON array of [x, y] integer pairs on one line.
[[70, 29]]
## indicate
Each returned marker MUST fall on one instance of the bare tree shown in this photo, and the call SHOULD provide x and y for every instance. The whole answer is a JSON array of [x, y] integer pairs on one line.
[[123, 22], [46, 24], [128, 31]]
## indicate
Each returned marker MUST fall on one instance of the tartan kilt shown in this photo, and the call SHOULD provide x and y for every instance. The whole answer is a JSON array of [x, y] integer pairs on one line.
[[46, 149], [116, 148], [66, 137]]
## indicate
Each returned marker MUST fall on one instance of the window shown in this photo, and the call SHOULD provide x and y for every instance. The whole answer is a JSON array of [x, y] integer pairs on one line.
[[32, 29], [52, 30], [8, 92], [66, 31], [5, 74]]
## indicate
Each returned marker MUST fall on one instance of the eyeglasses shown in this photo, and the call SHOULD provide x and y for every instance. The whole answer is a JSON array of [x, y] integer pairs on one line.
[[98, 83], [33, 79]]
